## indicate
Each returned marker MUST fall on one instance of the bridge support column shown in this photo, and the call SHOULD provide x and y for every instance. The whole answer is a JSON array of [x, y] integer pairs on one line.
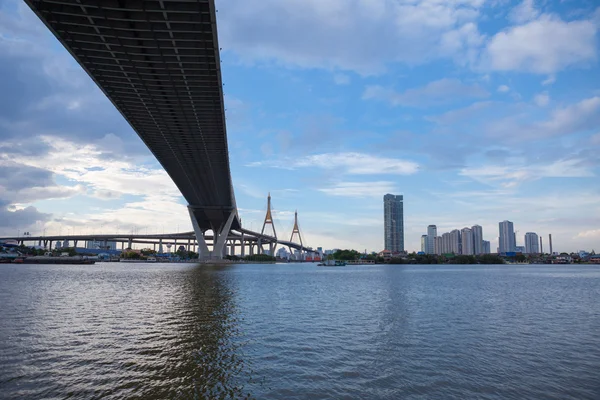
[[75, 243], [219, 237], [243, 246]]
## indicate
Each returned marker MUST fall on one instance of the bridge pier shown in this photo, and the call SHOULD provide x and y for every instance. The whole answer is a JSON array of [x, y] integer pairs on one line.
[[220, 237]]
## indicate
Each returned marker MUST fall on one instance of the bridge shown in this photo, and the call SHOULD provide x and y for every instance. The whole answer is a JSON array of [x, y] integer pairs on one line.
[[158, 62]]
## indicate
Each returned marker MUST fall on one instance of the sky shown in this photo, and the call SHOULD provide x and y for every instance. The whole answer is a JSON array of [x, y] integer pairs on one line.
[[477, 111]]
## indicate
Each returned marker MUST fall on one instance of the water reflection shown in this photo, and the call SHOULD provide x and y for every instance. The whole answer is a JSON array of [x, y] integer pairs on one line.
[[112, 332]]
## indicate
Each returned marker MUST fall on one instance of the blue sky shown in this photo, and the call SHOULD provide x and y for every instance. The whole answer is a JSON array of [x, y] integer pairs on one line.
[[477, 111]]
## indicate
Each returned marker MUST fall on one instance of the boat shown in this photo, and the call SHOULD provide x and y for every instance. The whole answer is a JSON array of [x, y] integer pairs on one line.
[[151, 259], [332, 263]]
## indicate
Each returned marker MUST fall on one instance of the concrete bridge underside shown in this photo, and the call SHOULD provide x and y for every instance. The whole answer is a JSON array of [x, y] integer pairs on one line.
[[158, 62]]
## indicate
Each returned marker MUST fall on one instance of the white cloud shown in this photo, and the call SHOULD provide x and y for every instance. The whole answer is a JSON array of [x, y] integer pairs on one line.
[[351, 163], [542, 46], [358, 35], [571, 119], [157, 200], [524, 12], [359, 189], [503, 88], [341, 79], [510, 176], [594, 233], [437, 92], [549, 81], [579, 116], [542, 99]]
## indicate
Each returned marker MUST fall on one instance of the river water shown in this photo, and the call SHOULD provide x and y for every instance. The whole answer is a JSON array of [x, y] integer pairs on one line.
[[299, 331]]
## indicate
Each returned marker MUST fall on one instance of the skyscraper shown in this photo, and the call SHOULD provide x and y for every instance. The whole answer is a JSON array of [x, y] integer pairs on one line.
[[486, 247], [424, 243], [506, 239], [477, 239], [455, 242], [393, 222], [467, 241], [431, 234], [531, 243]]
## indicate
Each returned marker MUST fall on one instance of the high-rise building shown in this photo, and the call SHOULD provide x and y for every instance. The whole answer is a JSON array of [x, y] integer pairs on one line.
[[486, 247], [477, 239], [431, 234], [467, 241], [424, 243], [393, 222], [437, 245], [455, 242], [446, 243], [532, 243], [506, 239]]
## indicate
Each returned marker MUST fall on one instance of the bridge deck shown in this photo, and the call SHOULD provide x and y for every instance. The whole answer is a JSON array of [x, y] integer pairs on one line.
[[158, 63]]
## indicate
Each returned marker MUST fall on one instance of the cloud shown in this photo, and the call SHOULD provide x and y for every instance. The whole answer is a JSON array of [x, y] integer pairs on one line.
[[549, 81], [359, 189], [543, 46], [594, 233], [20, 219], [542, 99], [437, 92], [577, 117], [510, 176], [341, 79], [503, 88], [350, 163], [524, 12], [358, 35], [567, 120]]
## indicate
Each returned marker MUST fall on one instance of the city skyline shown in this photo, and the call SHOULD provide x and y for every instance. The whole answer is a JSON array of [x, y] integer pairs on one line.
[[485, 114]]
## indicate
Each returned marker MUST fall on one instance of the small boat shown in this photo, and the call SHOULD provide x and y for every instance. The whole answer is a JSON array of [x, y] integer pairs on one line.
[[151, 259], [332, 263]]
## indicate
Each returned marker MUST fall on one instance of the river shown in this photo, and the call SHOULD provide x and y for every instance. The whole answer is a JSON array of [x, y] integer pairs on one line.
[[157, 331]]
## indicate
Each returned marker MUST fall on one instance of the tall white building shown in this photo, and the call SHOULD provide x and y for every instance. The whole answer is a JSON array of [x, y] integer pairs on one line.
[[455, 242], [532, 243], [506, 239], [431, 234], [424, 243], [477, 239], [467, 241], [486, 247], [446, 243], [437, 245]]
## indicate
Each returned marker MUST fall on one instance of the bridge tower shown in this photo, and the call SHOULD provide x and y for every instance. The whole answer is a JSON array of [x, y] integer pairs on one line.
[[268, 221], [296, 231]]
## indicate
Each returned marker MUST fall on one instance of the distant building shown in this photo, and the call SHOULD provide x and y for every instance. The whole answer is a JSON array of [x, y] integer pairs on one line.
[[424, 243], [437, 245], [486, 247], [467, 241], [283, 253], [393, 222], [532, 243], [101, 244], [520, 249], [506, 238], [431, 234], [477, 239], [455, 242]]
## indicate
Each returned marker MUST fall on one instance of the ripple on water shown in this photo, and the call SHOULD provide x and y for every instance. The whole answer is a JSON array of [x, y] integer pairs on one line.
[[299, 332]]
